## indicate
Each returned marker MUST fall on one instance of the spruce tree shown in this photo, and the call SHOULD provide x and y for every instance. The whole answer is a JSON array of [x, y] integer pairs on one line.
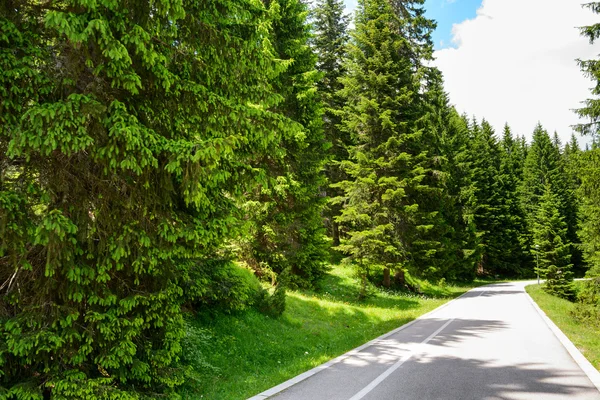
[[589, 193], [541, 168], [545, 166], [551, 246], [510, 220], [455, 227], [288, 231], [571, 155], [330, 40], [384, 114], [485, 154], [128, 130], [591, 69]]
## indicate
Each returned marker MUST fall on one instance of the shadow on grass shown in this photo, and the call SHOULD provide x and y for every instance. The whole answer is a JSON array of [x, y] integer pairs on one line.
[[246, 353], [344, 288]]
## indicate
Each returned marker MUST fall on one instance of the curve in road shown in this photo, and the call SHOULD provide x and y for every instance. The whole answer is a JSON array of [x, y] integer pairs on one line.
[[491, 343]]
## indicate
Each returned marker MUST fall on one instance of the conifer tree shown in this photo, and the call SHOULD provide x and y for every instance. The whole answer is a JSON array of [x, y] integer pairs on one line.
[[551, 246], [591, 69], [485, 154], [589, 192], [545, 166], [570, 167], [330, 40], [288, 226], [455, 228], [589, 195], [541, 168], [385, 116], [510, 220], [128, 130], [571, 155], [524, 148]]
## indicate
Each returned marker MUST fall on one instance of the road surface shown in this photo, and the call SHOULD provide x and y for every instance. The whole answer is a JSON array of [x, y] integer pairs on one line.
[[489, 344]]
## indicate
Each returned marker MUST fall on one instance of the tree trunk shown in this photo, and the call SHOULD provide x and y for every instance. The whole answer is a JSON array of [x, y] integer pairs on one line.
[[335, 230], [399, 278], [386, 277]]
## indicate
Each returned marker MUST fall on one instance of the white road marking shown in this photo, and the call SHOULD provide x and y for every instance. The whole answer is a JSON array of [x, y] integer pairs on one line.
[[399, 363]]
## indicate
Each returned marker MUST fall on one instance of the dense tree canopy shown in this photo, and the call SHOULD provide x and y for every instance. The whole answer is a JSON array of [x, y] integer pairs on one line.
[[157, 157], [127, 131]]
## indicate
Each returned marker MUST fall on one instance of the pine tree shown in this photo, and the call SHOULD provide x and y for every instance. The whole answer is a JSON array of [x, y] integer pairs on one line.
[[385, 115], [288, 226], [552, 248], [128, 130], [330, 40]]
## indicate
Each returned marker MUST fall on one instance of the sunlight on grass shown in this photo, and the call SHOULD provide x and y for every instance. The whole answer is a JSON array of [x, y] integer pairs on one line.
[[584, 337], [251, 352]]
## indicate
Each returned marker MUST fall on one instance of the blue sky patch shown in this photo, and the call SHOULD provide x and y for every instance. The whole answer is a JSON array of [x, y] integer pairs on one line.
[[446, 13]]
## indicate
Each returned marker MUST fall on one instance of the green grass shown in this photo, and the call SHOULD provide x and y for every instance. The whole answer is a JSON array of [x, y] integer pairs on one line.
[[242, 355], [584, 337]]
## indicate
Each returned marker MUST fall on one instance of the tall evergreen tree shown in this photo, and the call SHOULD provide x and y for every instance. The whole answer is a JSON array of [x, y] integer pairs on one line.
[[510, 221], [591, 69], [589, 191], [551, 246], [456, 229], [128, 130], [288, 226], [330, 40], [385, 114], [571, 155], [485, 154], [589, 195], [541, 168], [545, 166]]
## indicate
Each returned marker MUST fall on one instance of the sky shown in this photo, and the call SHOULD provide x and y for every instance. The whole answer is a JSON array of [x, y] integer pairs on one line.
[[513, 61]]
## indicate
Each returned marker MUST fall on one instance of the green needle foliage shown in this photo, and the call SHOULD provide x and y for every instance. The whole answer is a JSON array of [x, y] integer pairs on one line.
[[591, 69], [551, 247], [461, 190], [509, 239], [388, 215], [589, 191], [545, 166], [127, 131], [330, 40], [289, 233], [453, 236], [486, 166]]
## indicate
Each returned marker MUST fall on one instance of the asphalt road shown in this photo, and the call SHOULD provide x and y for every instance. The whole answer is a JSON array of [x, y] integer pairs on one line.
[[489, 344]]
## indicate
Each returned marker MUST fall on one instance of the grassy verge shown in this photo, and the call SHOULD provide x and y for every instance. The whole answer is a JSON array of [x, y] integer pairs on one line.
[[584, 337], [242, 355]]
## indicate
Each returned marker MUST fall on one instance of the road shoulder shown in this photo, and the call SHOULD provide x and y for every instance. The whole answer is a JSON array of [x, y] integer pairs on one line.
[[591, 372]]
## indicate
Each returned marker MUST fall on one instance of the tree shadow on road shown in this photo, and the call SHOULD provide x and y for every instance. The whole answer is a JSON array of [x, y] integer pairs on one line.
[[457, 378]]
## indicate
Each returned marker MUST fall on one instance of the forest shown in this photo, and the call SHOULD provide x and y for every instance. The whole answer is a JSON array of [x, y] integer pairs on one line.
[[161, 159]]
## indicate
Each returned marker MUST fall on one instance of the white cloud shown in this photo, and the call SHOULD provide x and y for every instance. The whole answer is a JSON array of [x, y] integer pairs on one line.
[[515, 63]]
